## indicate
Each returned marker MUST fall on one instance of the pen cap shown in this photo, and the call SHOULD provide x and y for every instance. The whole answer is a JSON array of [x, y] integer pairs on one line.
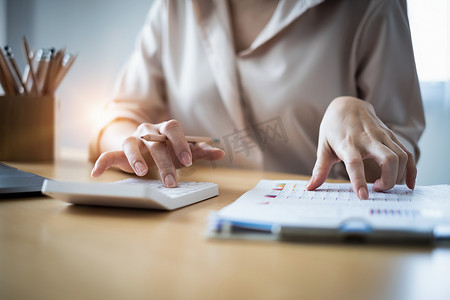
[[27, 128]]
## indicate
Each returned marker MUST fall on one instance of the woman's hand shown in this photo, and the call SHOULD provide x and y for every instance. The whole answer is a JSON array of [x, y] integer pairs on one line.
[[351, 132], [138, 155]]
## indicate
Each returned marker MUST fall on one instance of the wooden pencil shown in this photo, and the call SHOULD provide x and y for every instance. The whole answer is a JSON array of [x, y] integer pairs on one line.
[[63, 71], [30, 63], [10, 87], [190, 139], [10, 55]]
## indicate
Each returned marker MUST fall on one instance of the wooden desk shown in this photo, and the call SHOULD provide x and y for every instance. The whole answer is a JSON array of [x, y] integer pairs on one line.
[[52, 250]]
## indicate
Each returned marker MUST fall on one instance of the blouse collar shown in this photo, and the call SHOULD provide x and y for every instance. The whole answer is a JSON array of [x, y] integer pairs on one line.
[[216, 32]]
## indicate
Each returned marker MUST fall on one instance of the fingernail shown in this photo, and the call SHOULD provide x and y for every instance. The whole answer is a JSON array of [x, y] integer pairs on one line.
[[169, 181], [378, 185], [311, 180], [206, 147], [140, 169], [363, 193], [186, 159], [413, 183]]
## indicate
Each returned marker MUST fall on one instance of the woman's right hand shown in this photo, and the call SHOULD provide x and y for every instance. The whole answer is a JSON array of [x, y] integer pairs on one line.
[[138, 156]]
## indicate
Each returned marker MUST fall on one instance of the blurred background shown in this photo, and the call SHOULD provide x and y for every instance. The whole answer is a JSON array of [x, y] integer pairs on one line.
[[103, 34]]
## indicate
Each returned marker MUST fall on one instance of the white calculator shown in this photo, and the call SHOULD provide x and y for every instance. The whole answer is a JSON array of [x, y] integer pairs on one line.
[[134, 193]]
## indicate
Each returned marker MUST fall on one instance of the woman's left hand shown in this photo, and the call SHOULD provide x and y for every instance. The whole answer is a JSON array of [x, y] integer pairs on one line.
[[350, 132]]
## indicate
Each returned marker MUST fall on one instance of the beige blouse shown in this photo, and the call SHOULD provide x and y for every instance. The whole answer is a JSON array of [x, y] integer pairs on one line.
[[266, 102]]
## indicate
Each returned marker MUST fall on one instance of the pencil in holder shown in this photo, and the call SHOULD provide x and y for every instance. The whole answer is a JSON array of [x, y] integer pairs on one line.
[[27, 128]]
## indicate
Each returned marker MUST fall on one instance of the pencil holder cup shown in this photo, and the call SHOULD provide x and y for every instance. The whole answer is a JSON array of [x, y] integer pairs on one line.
[[27, 128]]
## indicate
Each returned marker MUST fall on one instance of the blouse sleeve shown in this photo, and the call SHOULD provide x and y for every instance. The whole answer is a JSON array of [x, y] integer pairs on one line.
[[140, 90], [385, 71]]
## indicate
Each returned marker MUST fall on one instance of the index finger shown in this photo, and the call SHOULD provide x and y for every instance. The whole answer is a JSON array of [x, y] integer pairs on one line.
[[174, 132], [111, 159]]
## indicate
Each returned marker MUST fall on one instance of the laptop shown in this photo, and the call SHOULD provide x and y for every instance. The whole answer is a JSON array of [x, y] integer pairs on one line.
[[18, 183]]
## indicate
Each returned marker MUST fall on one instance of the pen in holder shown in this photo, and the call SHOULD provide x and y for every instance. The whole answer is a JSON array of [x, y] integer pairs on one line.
[[27, 128], [27, 111]]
